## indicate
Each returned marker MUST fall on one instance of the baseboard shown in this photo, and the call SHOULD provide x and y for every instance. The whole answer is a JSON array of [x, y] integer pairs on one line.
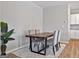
[[16, 48]]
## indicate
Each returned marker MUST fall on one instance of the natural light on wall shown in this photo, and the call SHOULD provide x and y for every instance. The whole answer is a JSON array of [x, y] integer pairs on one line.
[[75, 19]]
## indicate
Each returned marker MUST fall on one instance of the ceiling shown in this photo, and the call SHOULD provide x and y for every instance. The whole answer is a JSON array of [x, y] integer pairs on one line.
[[43, 4]]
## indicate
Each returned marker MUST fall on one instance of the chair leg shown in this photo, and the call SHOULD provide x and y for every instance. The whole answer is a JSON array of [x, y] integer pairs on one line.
[[42, 45], [56, 46], [59, 44], [34, 45], [29, 47], [38, 48], [54, 50]]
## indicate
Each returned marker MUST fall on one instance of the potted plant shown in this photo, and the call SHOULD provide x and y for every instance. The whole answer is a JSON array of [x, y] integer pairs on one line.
[[5, 36]]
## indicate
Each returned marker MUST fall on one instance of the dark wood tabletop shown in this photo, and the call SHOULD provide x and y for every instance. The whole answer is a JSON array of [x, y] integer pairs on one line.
[[41, 35]]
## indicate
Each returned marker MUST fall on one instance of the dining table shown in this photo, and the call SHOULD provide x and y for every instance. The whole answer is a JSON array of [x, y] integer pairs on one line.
[[44, 36]]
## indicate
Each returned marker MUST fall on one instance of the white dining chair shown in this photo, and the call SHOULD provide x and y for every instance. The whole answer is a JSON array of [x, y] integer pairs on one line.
[[59, 37], [55, 41]]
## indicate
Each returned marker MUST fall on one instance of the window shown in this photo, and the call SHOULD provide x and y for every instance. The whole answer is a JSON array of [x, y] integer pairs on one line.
[[74, 19], [74, 22]]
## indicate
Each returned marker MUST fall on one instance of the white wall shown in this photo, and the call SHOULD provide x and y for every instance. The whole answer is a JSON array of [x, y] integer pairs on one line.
[[21, 16], [29, 17], [9, 15], [74, 11], [56, 18], [0, 11]]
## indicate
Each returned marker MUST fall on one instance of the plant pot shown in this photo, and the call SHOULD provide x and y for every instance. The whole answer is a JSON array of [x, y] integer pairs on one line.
[[3, 49]]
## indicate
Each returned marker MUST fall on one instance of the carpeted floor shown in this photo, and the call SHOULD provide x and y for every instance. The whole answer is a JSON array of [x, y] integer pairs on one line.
[[25, 53], [10, 55]]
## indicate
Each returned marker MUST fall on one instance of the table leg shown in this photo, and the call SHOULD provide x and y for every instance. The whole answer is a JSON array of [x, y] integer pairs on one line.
[[45, 45], [30, 43], [39, 52]]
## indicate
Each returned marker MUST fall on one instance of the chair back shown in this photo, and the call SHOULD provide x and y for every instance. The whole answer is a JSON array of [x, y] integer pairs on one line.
[[59, 36], [56, 37]]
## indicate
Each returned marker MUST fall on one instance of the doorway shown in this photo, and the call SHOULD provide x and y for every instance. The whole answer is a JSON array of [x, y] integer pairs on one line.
[[74, 26]]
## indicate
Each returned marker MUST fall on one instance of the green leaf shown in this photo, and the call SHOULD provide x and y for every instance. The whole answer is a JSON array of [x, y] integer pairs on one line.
[[2, 38], [5, 41], [9, 39], [5, 33], [4, 27], [8, 34], [0, 24]]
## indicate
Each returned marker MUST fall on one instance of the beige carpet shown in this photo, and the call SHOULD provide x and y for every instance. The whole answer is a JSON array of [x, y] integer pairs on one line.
[[25, 53], [10, 55]]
